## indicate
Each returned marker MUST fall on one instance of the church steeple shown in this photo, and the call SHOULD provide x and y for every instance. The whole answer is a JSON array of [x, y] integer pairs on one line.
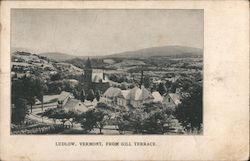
[[88, 73]]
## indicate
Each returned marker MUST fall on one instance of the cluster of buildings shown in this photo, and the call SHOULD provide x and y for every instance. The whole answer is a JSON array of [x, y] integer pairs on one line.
[[130, 98], [136, 97], [95, 79]]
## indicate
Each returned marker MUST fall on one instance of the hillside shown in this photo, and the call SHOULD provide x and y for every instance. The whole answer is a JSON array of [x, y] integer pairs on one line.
[[57, 56], [26, 61], [163, 51]]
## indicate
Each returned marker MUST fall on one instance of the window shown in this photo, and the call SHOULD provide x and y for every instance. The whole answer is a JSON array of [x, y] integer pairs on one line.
[[168, 99]]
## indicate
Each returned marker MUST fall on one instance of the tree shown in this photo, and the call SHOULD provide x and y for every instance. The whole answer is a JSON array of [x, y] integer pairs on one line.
[[158, 122], [72, 116], [27, 88], [82, 96], [31, 101], [55, 77], [173, 87], [162, 89], [152, 106], [101, 119], [189, 112], [91, 95], [168, 84], [40, 89], [123, 86], [34, 87], [61, 114], [76, 94], [136, 119], [19, 111], [95, 118], [97, 95], [147, 82], [158, 118], [121, 123], [50, 113], [88, 120]]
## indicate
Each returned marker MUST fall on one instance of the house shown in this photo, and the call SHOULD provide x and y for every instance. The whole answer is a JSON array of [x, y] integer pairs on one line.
[[135, 97], [110, 95], [171, 100], [75, 105], [63, 97], [157, 97], [123, 98]]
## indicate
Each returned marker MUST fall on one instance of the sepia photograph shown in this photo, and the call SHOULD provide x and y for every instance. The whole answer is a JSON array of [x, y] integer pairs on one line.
[[107, 71]]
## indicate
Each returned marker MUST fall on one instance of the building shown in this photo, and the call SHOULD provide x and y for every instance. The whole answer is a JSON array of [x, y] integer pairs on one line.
[[64, 97], [110, 95], [135, 97], [171, 100], [157, 97], [123, 98], [75, 105], [94, 78]]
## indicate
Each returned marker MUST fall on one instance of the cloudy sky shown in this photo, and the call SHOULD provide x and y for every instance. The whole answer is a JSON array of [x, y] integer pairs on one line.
[[100, 32]]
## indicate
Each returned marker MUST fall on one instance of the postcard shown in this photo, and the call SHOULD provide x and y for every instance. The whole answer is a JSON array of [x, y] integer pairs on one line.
[[125, 80]]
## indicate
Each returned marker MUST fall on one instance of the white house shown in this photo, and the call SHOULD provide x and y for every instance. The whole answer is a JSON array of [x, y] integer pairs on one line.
[[157, 97], [123, 98], [110, 95], [75, 105], [63, 97], [135, 97], [171, 100]]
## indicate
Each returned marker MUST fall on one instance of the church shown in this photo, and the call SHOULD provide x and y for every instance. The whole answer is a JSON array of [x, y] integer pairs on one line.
[[94, 79]]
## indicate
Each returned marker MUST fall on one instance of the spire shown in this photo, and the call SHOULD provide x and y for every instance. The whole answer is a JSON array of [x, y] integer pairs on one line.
[[88, 63]]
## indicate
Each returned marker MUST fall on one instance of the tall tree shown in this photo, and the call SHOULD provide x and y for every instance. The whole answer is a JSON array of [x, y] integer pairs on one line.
[[97, 95], [162, 89], [101, 119], [189, 112], [147, 82], [83, 95], [88, 120], [19, 111], [91, 95]]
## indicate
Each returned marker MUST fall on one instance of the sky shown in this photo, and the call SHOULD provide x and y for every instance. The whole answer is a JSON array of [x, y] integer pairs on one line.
[[102, 32]]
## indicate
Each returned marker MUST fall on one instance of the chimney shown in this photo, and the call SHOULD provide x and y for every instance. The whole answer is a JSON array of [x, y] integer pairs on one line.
[[141, 78]]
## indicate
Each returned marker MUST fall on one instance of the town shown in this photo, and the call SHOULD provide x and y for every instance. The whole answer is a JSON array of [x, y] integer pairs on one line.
[[115, 94]]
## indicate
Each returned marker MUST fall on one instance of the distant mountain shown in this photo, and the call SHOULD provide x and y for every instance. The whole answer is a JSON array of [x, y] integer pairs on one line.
[[57, 56], [162, 51]]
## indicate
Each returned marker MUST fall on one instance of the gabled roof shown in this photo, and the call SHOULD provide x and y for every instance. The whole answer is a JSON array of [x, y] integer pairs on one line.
[[139, 94], [157, 96], [75, 105], [112, 92], [175, 97], [63, 95], [125, 93]]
